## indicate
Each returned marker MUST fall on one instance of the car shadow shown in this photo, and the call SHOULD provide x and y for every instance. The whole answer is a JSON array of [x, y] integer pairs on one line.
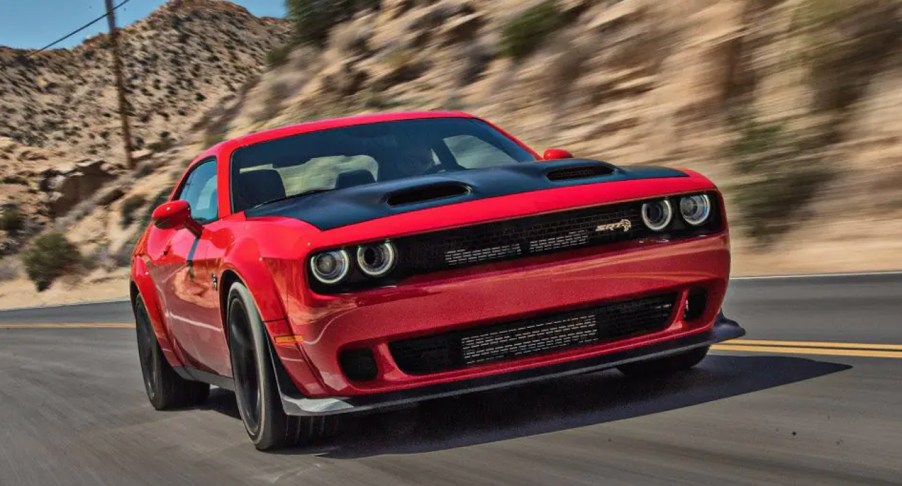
[[552, 406]]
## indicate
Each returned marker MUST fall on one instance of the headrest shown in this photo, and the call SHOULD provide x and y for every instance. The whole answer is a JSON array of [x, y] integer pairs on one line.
[[354, 178], [258, 186]]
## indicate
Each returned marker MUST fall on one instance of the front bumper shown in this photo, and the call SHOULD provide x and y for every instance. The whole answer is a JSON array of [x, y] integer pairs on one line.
[[295, 404]]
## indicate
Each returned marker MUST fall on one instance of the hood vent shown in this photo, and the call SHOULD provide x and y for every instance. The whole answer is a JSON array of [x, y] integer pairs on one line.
[[422, 194], [581, 172]]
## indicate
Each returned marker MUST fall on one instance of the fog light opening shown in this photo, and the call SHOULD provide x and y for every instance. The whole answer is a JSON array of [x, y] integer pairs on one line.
[[358, 364], [695, 304]]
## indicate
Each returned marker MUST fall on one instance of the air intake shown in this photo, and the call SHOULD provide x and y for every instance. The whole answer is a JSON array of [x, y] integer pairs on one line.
[[582, 172], [422, 194]]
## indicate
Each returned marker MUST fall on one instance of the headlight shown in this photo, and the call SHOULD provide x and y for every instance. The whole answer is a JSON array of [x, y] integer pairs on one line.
[[657, 214], [695, 209], [376, 260], [331, 266]]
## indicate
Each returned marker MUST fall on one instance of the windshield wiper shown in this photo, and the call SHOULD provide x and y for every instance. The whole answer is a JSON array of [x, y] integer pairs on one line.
[[293, 196]]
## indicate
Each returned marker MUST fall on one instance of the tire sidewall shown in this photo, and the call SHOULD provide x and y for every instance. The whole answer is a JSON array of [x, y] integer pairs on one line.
[[271, 419], [151, 386]]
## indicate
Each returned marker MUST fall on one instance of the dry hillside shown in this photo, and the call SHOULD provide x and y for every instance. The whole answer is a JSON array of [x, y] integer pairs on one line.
[[789, 105], [59, 107]]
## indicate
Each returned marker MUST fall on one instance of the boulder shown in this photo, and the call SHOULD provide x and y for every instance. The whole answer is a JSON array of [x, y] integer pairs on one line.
[[66, 187]]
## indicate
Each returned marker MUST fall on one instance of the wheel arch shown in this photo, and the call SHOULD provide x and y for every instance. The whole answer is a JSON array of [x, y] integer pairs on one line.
[[141, 284], [249, 268]]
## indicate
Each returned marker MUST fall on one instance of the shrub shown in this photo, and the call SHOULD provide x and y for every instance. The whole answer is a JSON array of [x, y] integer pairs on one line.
[[49, 257], [9, 269], [314, 19], [161, 145], [129, 206], [278, 56], [524, 34], [781, 172], [157, 200], [11, 219]]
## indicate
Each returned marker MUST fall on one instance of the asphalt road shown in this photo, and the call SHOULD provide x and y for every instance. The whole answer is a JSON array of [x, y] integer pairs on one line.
[[813, 395]]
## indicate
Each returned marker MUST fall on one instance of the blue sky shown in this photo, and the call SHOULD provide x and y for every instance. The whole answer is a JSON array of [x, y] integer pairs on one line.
[[36, 23]]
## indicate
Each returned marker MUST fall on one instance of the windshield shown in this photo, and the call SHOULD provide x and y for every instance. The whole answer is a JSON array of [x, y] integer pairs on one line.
[[351, 156]]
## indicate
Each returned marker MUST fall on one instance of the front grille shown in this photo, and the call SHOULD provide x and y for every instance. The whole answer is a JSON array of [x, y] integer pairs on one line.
[[537, 335], [520, 237]]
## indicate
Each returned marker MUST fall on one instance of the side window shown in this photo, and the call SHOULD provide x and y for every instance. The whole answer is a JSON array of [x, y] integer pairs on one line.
[[474, 153], [200, 192]]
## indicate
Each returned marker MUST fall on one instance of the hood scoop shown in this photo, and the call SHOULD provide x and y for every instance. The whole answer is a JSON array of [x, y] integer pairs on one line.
[[579, 172], [421, 194]]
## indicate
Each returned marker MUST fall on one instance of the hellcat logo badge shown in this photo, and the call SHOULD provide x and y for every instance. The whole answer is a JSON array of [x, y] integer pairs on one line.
[[623, 224]]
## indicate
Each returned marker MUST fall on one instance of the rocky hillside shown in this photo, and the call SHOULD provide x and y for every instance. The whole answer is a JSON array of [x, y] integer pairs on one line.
[[58, 108], [789, 105]]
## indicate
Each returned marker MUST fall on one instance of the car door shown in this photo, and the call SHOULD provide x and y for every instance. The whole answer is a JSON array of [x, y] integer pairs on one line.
[[186, 288]]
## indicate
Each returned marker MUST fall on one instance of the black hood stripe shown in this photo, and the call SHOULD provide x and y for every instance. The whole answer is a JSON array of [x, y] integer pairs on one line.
[[343, 207]]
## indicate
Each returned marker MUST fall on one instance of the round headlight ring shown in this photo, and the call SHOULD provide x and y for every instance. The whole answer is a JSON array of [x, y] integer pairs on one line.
[[696, 209], [657, 214], [378, 259], [330, 267]]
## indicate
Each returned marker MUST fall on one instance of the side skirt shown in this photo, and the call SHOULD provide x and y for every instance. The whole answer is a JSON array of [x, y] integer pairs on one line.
[[193, 374]]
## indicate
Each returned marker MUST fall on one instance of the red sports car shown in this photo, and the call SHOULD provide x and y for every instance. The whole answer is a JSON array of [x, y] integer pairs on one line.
[[372, 262]]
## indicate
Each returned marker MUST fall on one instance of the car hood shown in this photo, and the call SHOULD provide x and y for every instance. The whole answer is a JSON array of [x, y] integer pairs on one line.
[[352, 205]]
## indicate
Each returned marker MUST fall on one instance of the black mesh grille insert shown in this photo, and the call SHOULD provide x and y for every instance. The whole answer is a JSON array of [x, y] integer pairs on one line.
[[520, 237], [487, 344]]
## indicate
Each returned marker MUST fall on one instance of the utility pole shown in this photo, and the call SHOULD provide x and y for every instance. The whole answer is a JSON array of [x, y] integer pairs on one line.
[[120, 83]]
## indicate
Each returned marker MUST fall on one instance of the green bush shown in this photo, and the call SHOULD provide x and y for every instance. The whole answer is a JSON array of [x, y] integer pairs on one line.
[[781, 171], [314, 19], [49, 257], [11, 220], [129, 206], [525, 33], [278, 56]]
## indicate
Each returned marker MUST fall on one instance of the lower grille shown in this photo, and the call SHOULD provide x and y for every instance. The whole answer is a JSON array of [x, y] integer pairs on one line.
[[537, 335]]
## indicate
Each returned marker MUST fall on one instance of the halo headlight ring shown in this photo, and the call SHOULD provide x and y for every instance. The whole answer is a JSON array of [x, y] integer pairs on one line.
[[695, 209], [377, 260], [330, 267], [657, 215]]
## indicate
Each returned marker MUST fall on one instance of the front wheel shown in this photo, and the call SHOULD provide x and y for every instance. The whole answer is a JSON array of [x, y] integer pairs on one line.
[[666, 365], [165, 389], [256, 390]]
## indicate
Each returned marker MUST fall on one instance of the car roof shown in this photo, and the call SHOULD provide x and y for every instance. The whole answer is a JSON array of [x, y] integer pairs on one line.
[[325, 124]]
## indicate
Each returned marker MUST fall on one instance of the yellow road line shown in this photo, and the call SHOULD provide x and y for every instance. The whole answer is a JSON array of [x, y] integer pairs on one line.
[[814, 344], [807, 350], [820, 348], [75, 325]]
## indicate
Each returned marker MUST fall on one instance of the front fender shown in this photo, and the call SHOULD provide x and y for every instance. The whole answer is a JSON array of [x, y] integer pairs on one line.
[[247, 264], [265, 278], [144, 284]]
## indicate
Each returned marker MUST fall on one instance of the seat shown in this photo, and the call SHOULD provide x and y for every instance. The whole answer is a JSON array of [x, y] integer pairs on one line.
[[354, 178], [208, 211], [258, 186]]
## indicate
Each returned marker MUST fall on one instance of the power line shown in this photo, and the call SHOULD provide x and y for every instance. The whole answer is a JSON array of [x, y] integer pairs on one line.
[[98, 19]]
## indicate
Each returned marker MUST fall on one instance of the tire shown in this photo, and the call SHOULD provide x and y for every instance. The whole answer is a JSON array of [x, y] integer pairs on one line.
[[256, 389], [667, 365], [165, 389]]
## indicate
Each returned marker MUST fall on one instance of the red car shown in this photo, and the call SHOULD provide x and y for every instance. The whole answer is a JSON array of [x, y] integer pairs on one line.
[[372, 262]]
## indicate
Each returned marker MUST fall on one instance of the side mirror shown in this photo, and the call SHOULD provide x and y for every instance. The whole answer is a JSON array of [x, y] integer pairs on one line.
[[556, 154], [175, 215]]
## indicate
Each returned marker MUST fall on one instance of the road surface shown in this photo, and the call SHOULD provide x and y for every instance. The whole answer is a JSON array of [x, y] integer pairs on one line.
[[813, 395]]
